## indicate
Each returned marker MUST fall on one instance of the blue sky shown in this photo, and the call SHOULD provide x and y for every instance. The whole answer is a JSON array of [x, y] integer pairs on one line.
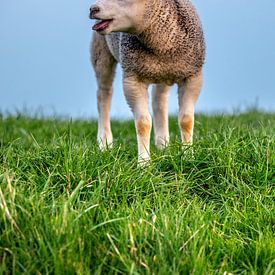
[[44, 57]]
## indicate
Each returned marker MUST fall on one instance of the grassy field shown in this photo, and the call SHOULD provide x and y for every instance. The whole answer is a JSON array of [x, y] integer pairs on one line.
[[67, 208]]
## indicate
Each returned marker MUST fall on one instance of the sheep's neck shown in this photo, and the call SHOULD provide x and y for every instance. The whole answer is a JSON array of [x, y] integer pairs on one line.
[[161, 30]]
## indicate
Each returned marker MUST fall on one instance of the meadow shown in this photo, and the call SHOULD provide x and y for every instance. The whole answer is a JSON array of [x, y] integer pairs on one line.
[[67, 208]]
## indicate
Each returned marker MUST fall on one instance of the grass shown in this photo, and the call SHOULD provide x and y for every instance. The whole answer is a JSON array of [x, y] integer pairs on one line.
[[67, 208]]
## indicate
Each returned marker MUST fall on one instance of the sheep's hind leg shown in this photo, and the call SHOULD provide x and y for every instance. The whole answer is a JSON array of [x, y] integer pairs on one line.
[[188, 95], [104, 65], [160, 110], [137, 97]]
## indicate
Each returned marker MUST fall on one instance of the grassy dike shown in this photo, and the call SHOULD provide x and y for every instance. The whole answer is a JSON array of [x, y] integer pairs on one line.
[[67, 208]]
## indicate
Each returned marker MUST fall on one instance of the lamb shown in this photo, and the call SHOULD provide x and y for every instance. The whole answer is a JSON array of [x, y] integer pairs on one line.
[[158, 42]]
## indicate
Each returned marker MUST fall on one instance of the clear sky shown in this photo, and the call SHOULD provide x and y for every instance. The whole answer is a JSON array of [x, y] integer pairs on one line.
[[44, 57]]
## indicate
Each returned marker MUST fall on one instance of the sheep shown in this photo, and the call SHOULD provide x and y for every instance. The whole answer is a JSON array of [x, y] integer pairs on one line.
[[159, 42]]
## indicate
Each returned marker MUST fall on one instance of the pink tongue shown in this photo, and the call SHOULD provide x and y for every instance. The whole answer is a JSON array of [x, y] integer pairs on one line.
[[101, 25]]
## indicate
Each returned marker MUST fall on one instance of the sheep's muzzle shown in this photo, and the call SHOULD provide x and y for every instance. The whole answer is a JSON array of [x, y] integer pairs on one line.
[[102, 25]]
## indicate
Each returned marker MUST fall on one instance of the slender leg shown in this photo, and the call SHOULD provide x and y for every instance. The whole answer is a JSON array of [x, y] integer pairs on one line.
[[104, 65], [188, 95], [137, 97], [160, 110]]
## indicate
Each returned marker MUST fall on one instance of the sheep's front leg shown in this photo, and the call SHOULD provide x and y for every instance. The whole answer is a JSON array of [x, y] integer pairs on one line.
[[188, 95], [104, 65], [160, 109], [137, 97], [104, 134]]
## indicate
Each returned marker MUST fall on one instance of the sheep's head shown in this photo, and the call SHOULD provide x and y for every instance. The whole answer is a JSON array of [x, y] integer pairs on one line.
[[117, 15]]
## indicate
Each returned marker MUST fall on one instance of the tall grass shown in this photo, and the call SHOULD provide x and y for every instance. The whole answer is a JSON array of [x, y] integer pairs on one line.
[[67, 208]]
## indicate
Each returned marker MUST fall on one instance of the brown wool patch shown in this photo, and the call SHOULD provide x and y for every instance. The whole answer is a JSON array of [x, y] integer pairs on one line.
[[143, 127], [186, 124]]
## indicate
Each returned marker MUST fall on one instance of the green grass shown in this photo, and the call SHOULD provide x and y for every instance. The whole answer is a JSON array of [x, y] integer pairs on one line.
[[67, 208]]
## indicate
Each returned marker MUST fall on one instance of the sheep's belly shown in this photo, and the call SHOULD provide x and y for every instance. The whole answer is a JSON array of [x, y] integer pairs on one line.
[[161, 71]]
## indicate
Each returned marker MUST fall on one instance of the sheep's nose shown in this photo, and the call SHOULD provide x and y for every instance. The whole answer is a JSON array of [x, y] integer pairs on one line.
[[93, 11]]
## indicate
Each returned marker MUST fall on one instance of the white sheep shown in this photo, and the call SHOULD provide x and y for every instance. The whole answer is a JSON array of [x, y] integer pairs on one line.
[[157, 42]]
